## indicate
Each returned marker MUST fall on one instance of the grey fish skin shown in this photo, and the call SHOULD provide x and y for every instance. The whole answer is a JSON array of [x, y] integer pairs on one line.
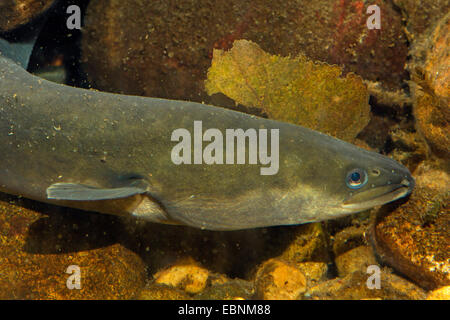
[[111, 153]]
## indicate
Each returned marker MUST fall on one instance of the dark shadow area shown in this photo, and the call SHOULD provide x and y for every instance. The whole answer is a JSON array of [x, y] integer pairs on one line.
[[69, 230], [235, 253], [383, 119], [63, 230], [58, 46], [25, 32]]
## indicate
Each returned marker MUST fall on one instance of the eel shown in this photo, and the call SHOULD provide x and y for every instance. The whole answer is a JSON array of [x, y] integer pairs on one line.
[[114, 154]]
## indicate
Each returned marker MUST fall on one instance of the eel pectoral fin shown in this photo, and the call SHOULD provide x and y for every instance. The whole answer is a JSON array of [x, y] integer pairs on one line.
[[80, 192], [132, 199]]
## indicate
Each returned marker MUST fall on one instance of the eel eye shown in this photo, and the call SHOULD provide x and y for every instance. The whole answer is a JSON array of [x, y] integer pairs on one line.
[[356, 178]]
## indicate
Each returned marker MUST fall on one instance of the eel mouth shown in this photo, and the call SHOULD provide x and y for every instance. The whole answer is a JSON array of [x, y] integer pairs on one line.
[[378, 196]]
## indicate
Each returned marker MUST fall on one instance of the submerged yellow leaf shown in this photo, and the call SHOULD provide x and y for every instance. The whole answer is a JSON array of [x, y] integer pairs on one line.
[[295, 90]]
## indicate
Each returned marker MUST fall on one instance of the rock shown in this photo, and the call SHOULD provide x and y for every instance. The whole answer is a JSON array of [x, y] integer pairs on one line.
[[217, 279], [162, 292], [357, 259], [409, 147], [155, 48], [235, 289], [309, 243], [436, 58], [314, 272], [414, 238], [278, 280], [347, 239], [440, 294], [431, 91], [420, 14], [19, 12], [354, 287], [162, 246], [36, 251], [396, 99], [432, 122], [162, 50], [185, 275], [336, 32]]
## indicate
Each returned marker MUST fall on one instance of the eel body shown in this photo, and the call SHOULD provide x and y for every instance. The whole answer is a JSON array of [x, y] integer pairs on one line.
[[114, 154]]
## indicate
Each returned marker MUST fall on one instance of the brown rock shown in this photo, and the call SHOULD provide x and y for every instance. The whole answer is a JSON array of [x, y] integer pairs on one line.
[[440, 294], [396, 99], [314, 272], [357, 259], [278, 280], [308, 244], [235, 289], [437, 61], [336, 32], [163, 49], [347, 239], [429, 68], [36, 251], [419, 14], [410, 148], [186, 275], [162, 292], [18, 12], [432, 121], [354, 287], [414, 238]]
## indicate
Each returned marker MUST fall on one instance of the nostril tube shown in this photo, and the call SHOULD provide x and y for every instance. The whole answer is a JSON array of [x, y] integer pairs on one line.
[[409, 182], [405, 182]]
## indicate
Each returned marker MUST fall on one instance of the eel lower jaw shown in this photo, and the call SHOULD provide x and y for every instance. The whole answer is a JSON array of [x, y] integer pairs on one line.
[[377, 196]]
